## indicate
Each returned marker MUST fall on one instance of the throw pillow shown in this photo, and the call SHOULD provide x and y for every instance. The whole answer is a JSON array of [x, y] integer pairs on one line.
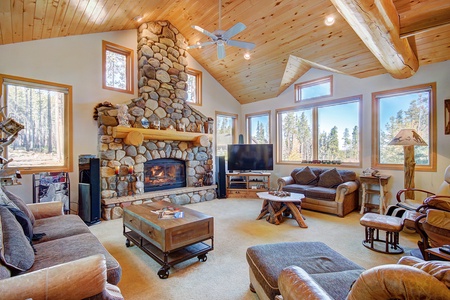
[[330, 178], [4, 199], [305, 176], [23, 220], [16, 252], [19, 203]]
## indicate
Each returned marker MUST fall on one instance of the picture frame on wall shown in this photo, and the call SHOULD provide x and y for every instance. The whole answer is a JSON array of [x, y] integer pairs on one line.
[[447, 116]]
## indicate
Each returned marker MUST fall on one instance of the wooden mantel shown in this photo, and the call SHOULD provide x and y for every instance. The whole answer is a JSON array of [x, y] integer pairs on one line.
[[135, 136]]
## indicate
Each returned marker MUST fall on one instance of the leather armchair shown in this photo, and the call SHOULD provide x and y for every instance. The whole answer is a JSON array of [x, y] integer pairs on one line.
[[413, 204]]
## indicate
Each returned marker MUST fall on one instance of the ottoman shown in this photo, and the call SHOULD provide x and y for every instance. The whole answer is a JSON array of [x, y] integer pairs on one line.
[[373, 223], [328, 268]]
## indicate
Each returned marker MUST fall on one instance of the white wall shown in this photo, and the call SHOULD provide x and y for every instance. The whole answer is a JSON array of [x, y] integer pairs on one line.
[[77, 61], [345, 86]]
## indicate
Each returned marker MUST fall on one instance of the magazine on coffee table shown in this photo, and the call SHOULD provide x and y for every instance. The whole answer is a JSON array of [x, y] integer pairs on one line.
[[169, 212]]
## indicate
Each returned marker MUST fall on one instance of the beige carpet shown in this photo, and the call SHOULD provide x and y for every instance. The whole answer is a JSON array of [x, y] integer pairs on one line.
[[225, 273]]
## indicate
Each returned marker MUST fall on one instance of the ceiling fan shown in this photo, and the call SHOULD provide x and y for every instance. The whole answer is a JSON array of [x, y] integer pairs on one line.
[[221, 37]]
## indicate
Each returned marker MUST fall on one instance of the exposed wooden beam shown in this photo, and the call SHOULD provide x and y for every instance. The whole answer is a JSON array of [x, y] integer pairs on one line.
[[429, 16], [377, 24]]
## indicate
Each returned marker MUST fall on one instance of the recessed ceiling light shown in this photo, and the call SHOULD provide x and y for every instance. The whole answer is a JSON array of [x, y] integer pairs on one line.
[[138, 18], [247, 56], [329, 20]]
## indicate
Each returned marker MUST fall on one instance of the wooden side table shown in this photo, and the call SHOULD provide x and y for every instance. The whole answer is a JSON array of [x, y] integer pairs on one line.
[[368, 183], [438, 253]]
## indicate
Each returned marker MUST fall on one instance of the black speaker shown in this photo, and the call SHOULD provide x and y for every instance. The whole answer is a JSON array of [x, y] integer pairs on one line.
[[220, 177], [89, 205]]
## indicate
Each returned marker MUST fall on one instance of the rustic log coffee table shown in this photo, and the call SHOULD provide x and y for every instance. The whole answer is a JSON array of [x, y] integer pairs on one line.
[[168, 241], [278, 207]]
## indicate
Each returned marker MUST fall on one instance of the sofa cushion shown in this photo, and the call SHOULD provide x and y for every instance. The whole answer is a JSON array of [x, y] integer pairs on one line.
[[439, 269], [19, 203], [74, 247], [330, 178], [297, 188], [305, 176], [317, 259], [24, 222], [322, 193], [347, 175], [15, 249], [59, 227], [4, 271]]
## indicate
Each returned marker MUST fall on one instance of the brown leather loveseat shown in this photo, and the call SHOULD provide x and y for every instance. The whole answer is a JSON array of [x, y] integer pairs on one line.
[[326, 190]]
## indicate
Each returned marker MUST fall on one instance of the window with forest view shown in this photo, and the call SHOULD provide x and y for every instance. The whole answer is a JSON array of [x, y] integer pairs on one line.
[[44, 110], [225, 132], [317, 88], [258, 126], [325, 133], [117, 68], [194, 86], [412, 107]]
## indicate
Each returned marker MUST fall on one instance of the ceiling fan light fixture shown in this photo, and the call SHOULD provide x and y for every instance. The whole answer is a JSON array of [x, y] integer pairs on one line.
[[247, 56], [199, 45], [329, 20]]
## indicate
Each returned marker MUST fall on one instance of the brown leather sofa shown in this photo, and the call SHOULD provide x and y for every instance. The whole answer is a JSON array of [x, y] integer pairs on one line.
[[326, 190], [410, 278], [68, 262]]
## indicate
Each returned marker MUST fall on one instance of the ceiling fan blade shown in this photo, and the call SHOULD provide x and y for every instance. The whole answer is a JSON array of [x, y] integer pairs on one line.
[[220, 51], [201, 45], [205, 32], [241, 44], [233, 31]]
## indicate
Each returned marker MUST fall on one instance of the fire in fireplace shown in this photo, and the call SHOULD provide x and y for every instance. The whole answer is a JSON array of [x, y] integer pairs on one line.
[[164, 173]]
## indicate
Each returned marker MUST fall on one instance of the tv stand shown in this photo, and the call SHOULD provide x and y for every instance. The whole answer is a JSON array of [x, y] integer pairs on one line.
[[246, 185]]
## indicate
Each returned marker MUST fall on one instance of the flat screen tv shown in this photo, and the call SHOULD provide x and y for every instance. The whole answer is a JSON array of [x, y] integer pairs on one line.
[[250, 157]]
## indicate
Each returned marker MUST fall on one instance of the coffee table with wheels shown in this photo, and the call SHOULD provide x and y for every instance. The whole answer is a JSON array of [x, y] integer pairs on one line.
[[168, 241], [279, 207]]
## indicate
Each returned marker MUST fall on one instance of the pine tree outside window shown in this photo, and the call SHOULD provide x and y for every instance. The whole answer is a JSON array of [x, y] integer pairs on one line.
[[194, 86], [45, 110], [412, 107], [258, 128], [225, 132], [118, 68], [327, 133]]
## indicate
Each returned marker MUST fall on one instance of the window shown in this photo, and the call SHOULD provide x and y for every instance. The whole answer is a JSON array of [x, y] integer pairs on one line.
[[411, 107], [45, 110], [314, 89], [194, 83], [225, 132], [327, 133], [258, 128], [118, 68]]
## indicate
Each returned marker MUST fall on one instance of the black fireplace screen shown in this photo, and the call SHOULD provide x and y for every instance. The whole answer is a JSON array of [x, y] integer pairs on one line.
[[164, 173]]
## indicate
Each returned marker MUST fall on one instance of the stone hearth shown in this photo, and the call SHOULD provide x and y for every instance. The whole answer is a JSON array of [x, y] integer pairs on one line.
[[162, 93]]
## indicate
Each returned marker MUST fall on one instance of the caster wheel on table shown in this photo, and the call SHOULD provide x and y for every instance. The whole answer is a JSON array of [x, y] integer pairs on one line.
[[163, 273], [128, 243], [202, 258]]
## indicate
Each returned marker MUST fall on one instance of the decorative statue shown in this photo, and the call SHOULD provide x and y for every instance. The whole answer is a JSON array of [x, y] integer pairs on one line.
[[122, 115]]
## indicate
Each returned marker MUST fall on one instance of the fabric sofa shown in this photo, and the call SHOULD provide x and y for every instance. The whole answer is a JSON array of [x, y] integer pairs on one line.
[[312, 270], [48, 255], [326, 190]]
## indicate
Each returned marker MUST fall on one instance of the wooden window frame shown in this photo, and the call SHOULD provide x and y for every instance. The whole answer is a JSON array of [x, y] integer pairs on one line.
[[248, 128], [234, 126], [68, 123], [129, 54], [431, 167], [299, 86], [198, 86]]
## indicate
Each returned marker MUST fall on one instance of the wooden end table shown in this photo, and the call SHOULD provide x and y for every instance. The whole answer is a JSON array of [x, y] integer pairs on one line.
[[438, 253], [279, 207], [168, 241]]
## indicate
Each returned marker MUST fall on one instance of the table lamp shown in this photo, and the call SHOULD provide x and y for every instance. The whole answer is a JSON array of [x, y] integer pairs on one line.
[[408, 138]]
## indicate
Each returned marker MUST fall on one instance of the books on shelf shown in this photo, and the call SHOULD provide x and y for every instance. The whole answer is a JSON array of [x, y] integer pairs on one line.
[[169, 212]]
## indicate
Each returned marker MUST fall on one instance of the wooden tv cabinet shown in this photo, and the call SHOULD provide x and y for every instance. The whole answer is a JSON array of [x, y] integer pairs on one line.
[[246, 185]]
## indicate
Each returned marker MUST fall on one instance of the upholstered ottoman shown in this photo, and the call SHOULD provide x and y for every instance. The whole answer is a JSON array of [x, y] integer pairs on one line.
[[373, 223], [331, 270]]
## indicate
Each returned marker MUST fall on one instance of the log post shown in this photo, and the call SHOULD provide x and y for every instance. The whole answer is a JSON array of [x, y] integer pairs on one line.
[[134, 138], [201, 140]]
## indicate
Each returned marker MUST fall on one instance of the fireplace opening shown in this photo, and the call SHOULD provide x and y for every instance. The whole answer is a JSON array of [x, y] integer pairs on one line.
[[164, 173]]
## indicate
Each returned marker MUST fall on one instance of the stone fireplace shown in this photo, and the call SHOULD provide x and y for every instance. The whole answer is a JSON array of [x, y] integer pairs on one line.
[[164, 173], [139, 164]]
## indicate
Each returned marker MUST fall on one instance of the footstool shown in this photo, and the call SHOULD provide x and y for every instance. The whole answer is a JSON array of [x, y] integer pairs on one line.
[[328, 268], [373, 223]]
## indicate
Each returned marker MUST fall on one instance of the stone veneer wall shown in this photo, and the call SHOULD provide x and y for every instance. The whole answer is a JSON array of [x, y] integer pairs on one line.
[[162, 92]]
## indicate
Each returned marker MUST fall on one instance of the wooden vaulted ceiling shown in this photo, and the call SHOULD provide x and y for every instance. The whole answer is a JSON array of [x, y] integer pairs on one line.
[[369, 37]]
